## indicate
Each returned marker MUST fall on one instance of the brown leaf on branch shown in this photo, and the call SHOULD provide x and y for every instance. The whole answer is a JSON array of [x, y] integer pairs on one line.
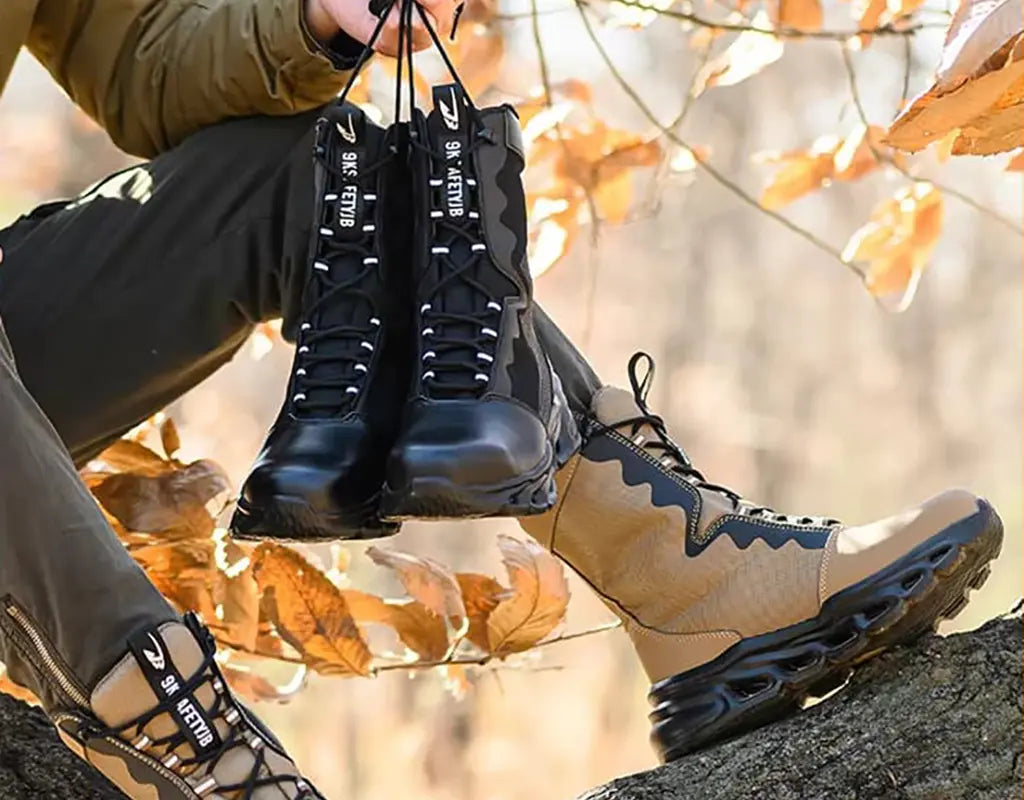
[[426, 581], [172, 503], [801, 15], [979, 86], [749, 53], [897, 242], [801, 172], [169, 438], [126, 455], [539, 602], [872, 14], [310, 612], [251, 685], [419, 628], [481, 594]]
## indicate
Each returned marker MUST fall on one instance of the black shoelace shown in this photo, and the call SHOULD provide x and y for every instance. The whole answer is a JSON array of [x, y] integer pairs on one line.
[[459, 344], [673, 458], [239, 735]]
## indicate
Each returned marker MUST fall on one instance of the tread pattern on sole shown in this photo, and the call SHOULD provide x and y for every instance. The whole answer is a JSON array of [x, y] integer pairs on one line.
[[766, 677]]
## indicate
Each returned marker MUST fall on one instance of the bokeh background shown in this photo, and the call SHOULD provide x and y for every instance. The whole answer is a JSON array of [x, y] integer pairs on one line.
[[778, 373]]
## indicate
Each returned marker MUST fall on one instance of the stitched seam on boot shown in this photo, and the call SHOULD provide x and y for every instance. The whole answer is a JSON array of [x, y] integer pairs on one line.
[[558, 511], [825, 563]]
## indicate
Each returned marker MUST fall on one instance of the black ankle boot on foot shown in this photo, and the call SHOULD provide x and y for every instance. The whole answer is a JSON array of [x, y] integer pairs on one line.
[[487, 424], [321, 469]]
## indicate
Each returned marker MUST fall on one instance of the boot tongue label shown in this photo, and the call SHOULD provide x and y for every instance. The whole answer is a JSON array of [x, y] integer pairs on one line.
[[346, 202], [152, 655], [453, 137]]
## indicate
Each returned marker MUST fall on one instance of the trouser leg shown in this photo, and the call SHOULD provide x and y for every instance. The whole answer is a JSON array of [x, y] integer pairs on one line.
[[62, 570], [122, 300]]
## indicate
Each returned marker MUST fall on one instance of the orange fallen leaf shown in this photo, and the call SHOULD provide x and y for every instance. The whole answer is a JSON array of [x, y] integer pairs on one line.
[[310, 612], [539, 602]]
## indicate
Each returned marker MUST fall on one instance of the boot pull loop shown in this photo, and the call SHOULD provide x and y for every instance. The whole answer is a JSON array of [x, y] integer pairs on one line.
[[641, 385], [482, 130]]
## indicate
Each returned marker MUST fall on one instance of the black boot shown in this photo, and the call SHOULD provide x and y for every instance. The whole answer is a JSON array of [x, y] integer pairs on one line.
[[321, 469], [487, 424]]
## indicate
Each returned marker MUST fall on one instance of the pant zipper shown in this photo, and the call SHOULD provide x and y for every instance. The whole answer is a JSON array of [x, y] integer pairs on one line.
[[50, 663]]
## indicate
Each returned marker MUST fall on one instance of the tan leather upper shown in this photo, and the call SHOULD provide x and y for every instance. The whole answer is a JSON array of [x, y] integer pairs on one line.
[[153, 71], [124, 694], [682, 611]]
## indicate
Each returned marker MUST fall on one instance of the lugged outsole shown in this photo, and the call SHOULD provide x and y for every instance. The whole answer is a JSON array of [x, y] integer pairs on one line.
[[290, 519], [764, 678], [439, 498]]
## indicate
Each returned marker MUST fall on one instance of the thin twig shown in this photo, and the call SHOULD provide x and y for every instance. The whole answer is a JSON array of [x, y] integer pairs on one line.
[[479, 661], [721, 179], [889, 29], [884, 158]]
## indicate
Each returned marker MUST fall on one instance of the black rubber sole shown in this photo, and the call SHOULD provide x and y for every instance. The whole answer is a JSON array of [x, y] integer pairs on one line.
[[764, 678], [291, 519], [534, 493]]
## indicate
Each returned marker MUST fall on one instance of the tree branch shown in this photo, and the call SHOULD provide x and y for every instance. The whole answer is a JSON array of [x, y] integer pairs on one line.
[[479, 661], [721, 179], [884, 158], [889, 29]]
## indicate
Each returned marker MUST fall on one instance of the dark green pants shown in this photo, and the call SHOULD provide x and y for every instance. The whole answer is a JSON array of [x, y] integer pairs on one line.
[[117, 303]]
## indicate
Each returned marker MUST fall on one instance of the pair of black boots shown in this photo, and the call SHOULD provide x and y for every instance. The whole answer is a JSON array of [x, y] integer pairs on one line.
[[419, 389]]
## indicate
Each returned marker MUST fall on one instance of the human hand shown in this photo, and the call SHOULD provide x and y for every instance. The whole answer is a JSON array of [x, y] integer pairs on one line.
[[326, 18]]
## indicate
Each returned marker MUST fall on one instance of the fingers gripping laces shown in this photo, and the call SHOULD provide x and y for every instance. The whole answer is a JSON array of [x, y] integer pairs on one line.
[[671, 456], [198, 771]]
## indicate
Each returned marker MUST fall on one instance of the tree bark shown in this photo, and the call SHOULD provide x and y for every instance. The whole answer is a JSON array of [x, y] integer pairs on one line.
[[940, 720]]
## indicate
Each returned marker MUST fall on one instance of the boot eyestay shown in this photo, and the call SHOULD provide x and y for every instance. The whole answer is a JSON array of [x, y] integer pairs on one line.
[[223, 709], [672, 457]]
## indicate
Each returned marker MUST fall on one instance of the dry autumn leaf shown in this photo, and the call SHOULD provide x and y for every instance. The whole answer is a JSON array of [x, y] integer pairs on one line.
[[426, 581], [419, 628], [801, 15], [251, 685], [801, 172], [172, 503], [749, 53], [538, 603], [169, 438], [481, 594], [126, 455], [897, 242], [1016, 164], [979, 86], [310, 612]]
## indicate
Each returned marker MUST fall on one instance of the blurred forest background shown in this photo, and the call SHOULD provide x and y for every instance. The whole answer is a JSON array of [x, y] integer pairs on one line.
[[779, 373]]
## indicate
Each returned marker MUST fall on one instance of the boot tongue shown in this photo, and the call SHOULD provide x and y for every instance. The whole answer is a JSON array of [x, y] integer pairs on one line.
[[349, 150], [452, 130], [611, 405], [159, 662]]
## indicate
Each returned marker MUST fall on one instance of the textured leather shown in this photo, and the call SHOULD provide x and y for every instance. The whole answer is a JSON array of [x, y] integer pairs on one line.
[[124, 694], [684, 606]]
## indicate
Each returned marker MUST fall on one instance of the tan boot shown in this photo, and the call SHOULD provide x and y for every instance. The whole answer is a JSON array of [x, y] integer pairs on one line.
[[162, 725], [738, 612]]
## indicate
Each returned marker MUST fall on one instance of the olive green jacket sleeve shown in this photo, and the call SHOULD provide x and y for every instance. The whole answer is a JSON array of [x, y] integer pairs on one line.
[[153, 71]]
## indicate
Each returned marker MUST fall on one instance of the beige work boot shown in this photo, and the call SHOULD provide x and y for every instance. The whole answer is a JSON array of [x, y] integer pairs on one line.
[[737, 612], [164, 726]]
